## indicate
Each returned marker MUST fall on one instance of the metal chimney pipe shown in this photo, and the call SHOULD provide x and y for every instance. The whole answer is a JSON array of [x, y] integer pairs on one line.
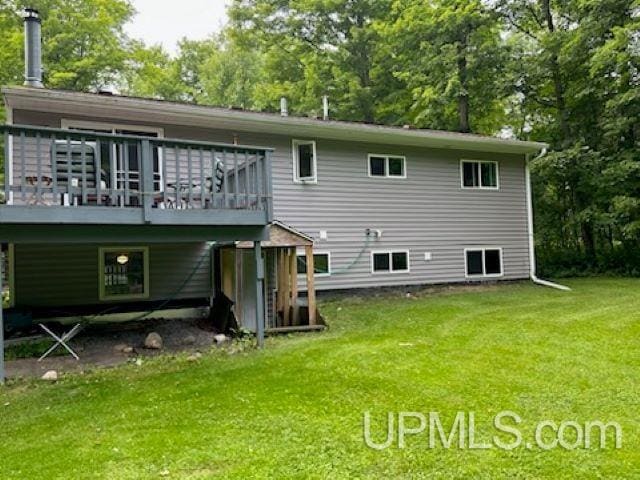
[[325, 107], [32, 49], [284, 111]]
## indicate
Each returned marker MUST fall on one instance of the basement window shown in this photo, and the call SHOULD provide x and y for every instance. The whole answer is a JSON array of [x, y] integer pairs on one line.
[[392, 166], [479, 174], [124, 273], [389, 262], [304, 161], [483, 262], [321, 264]]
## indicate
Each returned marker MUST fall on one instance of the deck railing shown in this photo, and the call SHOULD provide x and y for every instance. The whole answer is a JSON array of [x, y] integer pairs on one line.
[[46, 167]]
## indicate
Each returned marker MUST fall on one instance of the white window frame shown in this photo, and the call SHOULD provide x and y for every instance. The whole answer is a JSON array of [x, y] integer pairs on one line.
[[484, 268], [391, 270], [70, 124], [479, 187], [295, 143], [386, 157], [301, 253], [101, 286]]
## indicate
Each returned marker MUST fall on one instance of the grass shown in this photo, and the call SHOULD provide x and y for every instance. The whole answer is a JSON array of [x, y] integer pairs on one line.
[[295, 409]]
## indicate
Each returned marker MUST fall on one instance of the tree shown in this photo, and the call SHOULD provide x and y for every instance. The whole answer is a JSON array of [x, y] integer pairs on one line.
[[566, 92], [84, 45], [314, 48], [451, 59], [151, 72]]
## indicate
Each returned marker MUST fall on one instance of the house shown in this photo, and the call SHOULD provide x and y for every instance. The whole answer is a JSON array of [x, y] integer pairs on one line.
[[121, 204]]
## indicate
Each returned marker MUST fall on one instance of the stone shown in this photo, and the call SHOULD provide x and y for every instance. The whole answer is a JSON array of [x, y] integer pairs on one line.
[[127, 350], [220, 338], [194, 357], [189, 340], [153, 341], [50, 376]]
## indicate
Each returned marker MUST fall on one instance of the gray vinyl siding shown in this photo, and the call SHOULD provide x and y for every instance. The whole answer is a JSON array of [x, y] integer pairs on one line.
[[426, 212], [67, 275]]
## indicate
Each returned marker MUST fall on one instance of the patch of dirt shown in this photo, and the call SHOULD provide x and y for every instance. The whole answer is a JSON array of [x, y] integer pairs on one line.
[[96, 346]]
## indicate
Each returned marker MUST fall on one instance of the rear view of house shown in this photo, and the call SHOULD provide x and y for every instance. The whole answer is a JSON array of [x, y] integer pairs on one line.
[[117, 204]]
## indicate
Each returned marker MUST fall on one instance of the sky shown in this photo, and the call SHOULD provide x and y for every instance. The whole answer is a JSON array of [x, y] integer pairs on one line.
[[166, 22]]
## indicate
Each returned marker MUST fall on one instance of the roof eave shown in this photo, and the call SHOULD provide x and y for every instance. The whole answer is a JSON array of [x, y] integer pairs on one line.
[[24, 97]]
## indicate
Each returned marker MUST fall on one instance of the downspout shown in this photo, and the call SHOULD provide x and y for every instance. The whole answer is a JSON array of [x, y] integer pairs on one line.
[[532, 251]]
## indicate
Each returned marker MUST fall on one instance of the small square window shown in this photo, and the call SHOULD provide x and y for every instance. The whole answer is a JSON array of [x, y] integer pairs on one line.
[[480, 174], [386, 262], [124, 273], [386, 166], [321, 264], [381, 262], [484, 262], [396, 167], [377, 166], [474, 262], [399, 261]]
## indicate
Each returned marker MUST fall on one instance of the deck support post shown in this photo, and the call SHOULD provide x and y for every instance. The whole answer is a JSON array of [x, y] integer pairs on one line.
[[2, 374], [286, 295], [311, 288], [293, 275], [260, 317]]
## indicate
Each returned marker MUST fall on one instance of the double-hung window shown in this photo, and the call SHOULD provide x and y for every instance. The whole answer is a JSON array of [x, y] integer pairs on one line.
[[304, 161], [321, 264], [480, 174], [483, 262], [390, 166], [124, 273], [389, 261]]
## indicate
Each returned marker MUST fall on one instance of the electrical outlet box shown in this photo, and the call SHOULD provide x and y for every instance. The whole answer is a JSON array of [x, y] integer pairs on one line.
[[323, 235], [427, 256]]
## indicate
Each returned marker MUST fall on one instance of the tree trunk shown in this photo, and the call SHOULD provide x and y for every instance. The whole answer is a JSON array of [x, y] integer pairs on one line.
[[556, 76], [463, 96], [588, 239]]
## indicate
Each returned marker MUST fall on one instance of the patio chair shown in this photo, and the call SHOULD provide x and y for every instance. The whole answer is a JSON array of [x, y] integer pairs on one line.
[[69, 169]]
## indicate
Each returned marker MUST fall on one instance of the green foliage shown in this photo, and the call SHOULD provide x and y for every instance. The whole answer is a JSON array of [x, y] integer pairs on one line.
[[31, 349], [451, 61], [313, 48], [621, 260], [84, 45]]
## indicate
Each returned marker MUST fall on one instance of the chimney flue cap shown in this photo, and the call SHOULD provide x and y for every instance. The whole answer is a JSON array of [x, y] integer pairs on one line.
[[31, 14]]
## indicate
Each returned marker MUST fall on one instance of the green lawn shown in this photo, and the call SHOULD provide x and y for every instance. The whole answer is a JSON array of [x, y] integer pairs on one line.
[[295, 410]]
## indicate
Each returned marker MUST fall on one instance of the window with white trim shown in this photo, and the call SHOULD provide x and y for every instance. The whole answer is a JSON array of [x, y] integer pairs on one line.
[[124, 273], [321, 264], [304, 161], [392, 166], [479, 174], [390, 261], [483, 262]]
